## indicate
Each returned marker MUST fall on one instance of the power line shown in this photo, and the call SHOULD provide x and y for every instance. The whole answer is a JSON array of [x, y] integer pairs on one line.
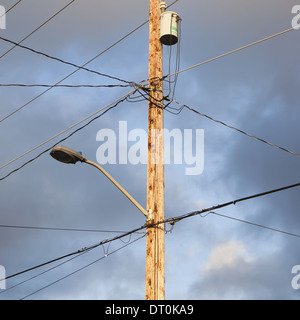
[[84, 267], [62, 132], [238, 130], [172, 221], [74, 65], [210, 118], [43, 24], [8, 10], [211, 212], [65, 85], [64, 61], [255, 224], [78, 67], [41, 273], [134, 30], [58, 265], [234, 202], [76, 252], [38, 96], [109, 107], [230, 52], [60, 229], [207, 61]]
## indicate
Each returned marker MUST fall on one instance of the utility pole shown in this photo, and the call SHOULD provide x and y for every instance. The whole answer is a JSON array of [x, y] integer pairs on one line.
[[155, 239]]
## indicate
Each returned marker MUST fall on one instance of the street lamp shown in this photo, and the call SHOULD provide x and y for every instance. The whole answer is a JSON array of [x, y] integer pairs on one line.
[[67, 155]]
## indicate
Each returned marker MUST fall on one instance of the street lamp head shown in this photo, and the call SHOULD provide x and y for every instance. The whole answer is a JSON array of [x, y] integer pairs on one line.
[[66, 155]]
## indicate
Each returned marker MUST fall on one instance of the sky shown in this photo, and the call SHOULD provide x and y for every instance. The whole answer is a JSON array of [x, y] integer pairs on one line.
[[206, 257]]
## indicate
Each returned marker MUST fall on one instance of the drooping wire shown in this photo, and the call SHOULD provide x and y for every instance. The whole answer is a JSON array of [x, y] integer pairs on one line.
[[146, 94], [82, 268], [169, 80], [171, 221], [75, 252]]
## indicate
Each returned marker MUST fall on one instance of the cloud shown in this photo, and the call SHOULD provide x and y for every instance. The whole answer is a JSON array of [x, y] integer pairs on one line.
[[225, 256], [234, 272]]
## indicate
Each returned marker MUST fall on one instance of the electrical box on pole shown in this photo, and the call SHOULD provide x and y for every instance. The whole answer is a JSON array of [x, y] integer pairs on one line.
[[168, 26]]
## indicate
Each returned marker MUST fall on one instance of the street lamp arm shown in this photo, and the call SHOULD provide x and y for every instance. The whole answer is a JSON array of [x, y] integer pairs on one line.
[[119, 187]]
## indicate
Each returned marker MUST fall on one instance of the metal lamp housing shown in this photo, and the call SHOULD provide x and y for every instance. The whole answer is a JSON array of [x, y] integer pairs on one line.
[[66, 155]]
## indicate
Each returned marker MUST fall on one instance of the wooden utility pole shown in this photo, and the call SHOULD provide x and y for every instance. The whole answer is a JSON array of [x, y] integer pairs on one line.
[[155, 242]]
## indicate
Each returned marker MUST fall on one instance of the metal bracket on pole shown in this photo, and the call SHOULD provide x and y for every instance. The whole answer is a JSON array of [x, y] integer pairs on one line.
[[144, 212]]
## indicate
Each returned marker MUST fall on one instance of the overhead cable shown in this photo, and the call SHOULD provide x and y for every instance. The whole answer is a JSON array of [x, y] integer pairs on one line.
[[78, 68], [41, 273], [65, 85], [9, 9], [66, 62], [59, 229], [173, 220], [230, 52], [108, 107], [84, 267], [254, 224], [82, 67], [103, 242], [238, 130], [234, 202], [38, 96], [43, 24]]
